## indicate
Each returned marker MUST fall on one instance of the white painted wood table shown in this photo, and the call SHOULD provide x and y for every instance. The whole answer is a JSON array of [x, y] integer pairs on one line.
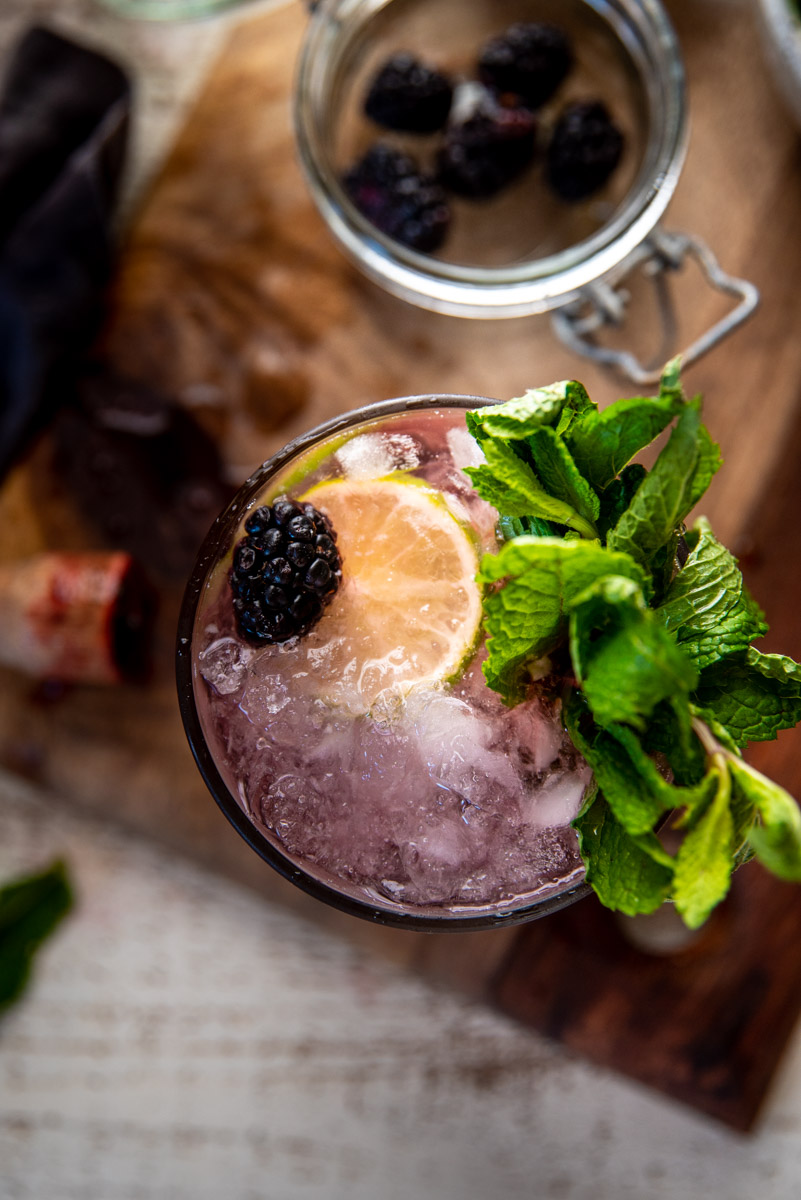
[[182, 1039]]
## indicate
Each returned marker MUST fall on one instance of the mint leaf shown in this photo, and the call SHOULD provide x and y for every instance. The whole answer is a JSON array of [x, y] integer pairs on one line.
[[635, 801], [557, 405], [708, 465], [631, 875], [576, 402], [670, 734], [671, 796], [560, 475], [742, 623], [602, 443], [616, 498], [784, 671], [663, 566], [777, 839], [527, 617], [704, 859], [635, 789], [706, 587], [511, 486], [707, 605], [623, 658], [744, 815], [30, 908], [752, 695], [669, 490]]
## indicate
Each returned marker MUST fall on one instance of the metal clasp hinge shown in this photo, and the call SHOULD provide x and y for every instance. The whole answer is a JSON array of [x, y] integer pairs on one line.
[[604, 304]]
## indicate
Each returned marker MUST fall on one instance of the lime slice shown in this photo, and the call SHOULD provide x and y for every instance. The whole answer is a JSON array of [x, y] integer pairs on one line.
[[408, 613]]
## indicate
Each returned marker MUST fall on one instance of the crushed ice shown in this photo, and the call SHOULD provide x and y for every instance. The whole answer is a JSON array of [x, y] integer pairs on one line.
[[430, 795]]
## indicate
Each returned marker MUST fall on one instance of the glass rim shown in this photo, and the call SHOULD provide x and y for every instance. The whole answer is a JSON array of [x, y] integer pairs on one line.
[[172, 10], [541, 284], [426, 920]]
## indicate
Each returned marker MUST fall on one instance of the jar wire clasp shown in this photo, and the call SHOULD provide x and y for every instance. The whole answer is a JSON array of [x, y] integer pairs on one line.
[[604, 304]]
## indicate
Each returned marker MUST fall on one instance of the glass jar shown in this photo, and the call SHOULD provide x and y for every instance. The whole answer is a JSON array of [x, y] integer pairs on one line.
[[523, 253], [237, 758]]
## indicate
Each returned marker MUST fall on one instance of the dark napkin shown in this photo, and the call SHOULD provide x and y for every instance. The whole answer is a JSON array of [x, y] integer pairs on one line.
[[63, 130], [142, 470]]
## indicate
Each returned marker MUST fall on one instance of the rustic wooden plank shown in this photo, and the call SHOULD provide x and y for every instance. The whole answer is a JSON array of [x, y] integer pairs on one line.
[[706, 1024]]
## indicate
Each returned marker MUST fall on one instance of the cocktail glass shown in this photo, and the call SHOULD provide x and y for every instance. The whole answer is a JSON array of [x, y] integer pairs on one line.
[[431, 808]]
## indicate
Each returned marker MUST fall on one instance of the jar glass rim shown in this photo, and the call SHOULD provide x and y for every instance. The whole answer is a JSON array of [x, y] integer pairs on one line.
[[537, 285], [218, 539]]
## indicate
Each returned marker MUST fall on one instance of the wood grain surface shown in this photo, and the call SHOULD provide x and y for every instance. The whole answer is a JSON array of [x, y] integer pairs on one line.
[[706, 1024], [232, 297]]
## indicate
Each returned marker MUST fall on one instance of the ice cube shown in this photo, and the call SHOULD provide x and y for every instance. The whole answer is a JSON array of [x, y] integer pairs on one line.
[[224, 665], [557, 801], [438, 859], [534, 734], [464, 449], [452, 741], [371, 455], [264, 698]]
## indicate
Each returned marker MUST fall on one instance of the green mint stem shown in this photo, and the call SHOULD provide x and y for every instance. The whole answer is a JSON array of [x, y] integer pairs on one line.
[[716, 753]]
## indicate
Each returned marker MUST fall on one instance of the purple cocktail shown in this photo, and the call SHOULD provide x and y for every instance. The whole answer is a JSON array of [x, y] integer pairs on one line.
[[364, 756]]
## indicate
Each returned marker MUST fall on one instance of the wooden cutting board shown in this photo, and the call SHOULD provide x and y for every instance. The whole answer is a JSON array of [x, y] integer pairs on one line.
[[232, 297]]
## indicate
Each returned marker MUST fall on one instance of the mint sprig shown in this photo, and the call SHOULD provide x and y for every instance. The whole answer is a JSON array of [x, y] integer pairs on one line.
[[596, 561]]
